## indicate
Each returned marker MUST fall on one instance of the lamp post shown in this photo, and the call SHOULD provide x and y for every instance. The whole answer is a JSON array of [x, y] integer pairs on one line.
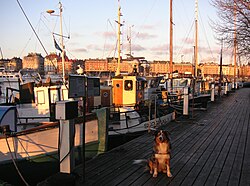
[[51, 12]]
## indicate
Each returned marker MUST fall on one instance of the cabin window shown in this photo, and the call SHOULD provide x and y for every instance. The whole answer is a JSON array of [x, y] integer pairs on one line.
[[128, 85], [40, 97], [117, 85], [183, 82]]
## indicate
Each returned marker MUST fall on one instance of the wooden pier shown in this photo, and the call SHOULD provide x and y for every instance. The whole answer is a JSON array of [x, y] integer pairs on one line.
[[212, 148]]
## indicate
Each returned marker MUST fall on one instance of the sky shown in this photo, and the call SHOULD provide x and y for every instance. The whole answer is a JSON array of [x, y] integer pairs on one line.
[[92, 29]]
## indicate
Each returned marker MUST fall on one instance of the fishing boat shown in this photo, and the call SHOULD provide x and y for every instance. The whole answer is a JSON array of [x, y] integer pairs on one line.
[[31, 135], [29, 151], [135, 101]]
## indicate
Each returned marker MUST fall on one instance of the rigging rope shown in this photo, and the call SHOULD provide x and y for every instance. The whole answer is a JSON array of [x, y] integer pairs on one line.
[[34, 30], [12, 158], [206, 38]]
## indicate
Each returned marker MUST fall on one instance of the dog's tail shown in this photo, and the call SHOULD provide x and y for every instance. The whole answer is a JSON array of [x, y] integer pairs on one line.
[[140, 162], [143, 163]]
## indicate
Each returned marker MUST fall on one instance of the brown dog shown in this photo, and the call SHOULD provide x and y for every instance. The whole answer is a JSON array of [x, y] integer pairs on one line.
[[160, 159]]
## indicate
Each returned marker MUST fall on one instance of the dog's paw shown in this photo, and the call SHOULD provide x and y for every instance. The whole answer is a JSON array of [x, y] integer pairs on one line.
[[154, 175], [169, 174]]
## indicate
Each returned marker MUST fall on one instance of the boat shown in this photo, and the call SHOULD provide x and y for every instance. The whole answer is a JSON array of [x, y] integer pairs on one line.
[[33, 149], [135, 107], [31, 134]]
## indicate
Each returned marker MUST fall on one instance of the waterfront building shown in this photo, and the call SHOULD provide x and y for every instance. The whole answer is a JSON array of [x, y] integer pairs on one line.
[[15, 64], [159, 67], [95, 65], [183, 67], [34, 61], [50, 63]]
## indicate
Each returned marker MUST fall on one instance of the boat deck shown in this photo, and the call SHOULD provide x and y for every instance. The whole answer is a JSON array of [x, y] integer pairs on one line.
[[212, 148]]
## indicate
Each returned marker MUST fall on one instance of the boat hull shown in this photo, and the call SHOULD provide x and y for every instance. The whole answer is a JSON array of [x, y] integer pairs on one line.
[[144, 126]]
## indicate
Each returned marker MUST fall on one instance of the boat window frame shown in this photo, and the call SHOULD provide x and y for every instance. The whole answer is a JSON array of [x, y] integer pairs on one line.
[[126, 83]]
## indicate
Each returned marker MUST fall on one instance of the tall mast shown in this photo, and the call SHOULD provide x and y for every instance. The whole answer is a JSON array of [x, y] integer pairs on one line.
[[196, 38], [171, 41], [62, 45], [235, 44], [1, 52], [119, 40], [130, 41]]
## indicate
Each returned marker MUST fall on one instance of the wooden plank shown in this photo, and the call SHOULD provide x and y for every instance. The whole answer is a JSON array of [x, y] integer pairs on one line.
[[213, 149]]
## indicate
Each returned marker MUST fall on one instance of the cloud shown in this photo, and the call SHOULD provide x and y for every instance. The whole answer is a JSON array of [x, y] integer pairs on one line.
[[160, 48], [76, 35], [109, 34], [94, 47], [189, 41], [186, 51], [148, 27], [109, 47], [138, 48], [145, 36], [80, 50]]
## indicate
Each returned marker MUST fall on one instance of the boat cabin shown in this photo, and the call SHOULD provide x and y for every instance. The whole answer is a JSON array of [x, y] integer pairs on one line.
[[128, 89]]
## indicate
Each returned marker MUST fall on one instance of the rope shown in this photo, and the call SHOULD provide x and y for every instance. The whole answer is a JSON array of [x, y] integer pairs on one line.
[[12, 158]]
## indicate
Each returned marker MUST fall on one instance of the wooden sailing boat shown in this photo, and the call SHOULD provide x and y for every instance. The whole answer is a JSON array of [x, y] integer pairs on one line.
[[128, 93]]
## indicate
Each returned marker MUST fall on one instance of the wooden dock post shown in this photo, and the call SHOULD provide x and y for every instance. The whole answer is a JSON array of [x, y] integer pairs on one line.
[[226, 88], [185, 102], [212, 92], [67, 159], [66, 111]]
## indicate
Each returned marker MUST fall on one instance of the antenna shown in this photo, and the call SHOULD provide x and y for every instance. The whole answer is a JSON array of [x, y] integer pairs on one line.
[[119, 39], [196, 39]]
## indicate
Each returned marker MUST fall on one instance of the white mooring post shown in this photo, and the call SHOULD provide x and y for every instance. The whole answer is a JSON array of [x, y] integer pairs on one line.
[[212, 92], [66, 111], [66, 146], [226, 88], [185, 102]]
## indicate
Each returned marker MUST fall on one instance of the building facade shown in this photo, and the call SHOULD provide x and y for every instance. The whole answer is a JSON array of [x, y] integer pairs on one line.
[[34, 61]]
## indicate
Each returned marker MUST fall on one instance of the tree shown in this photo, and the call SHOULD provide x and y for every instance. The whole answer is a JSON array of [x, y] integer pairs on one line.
[[234, 17]]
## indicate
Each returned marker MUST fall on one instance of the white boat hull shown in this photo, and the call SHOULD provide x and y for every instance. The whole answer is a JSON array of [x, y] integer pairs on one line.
[[29, 145], [142, 127]]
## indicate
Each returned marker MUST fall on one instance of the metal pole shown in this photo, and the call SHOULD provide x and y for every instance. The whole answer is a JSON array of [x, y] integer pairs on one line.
[[196, 38], [83, 129], [83, 138], [62, 46], [149, 113], [185, 102], [155, 111], [119, 41], [212, 93]]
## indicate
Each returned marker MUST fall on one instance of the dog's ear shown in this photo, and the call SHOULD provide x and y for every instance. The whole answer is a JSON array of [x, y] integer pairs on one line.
[[156, 132], [166, 133]]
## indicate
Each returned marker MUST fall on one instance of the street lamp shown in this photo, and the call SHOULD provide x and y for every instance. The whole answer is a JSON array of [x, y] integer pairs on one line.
[[51, 12]]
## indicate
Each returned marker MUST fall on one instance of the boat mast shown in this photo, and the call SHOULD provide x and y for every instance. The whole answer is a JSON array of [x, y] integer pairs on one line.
[[62, 46], [119, 40], [235, 45], [196, 39], [220, 80], [1, 52], [130, 42], [171, 41]]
